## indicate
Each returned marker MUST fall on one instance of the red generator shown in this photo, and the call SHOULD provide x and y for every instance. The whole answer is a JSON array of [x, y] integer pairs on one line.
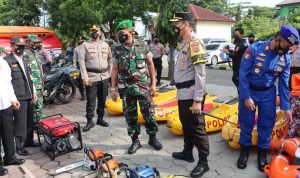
[[61, 136]]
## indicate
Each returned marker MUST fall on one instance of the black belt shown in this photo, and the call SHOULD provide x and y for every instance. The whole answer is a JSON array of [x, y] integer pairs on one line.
[[258, 88], [186, 84], [98, 70]]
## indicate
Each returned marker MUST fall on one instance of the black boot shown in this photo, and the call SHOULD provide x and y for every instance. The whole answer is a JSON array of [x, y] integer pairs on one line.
[[135, 145], [243, 158], [185, 155], [88, 126], [20, 147], [153, 141], [200, 168], [3, 171], [262, 159], [102, 122], [14, 162], [82, 96]]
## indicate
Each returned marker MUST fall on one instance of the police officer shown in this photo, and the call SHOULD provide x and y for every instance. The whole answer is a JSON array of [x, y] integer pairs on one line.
[[44, 56], [76, 65], [189, 78], [37, 76], [262, 64], [236, 55], [131, 58], [95, 65], [24, 91]]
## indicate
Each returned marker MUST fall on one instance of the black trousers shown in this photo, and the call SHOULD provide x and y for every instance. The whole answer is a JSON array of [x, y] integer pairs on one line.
[[7, 134], [23, 123], [97, 90], [294, 70], [80, 83], [235, 79], [158, 67], [193, 127]]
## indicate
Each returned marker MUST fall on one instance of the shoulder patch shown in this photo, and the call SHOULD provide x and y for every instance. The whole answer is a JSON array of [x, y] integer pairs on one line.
[[248, 53], [196, 48]]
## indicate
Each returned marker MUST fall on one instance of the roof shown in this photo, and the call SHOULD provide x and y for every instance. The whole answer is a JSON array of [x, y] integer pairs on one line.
[[9, 31], [286, 2], [203, 14]]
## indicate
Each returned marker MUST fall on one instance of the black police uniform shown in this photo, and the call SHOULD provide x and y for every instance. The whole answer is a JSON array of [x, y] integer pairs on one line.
[[237, 56]]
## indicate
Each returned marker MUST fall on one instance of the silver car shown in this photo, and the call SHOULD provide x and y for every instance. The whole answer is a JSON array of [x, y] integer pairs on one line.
[[216, 55]]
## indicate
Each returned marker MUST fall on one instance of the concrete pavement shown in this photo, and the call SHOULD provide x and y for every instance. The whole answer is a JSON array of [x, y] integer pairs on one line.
[[114, 140]]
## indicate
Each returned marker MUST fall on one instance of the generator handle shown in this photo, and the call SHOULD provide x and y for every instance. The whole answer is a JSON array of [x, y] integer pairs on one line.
[[52, 116], [76, 124]]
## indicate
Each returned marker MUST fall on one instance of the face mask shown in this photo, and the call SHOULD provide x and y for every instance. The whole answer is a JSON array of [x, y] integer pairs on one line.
[[251, 41], [156, 41], [94, 35], [34, 47], [279, 50], [123, 38], [19, 50], [39, 47]]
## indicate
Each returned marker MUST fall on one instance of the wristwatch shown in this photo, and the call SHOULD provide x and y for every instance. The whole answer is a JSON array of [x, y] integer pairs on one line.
[[197, 101]]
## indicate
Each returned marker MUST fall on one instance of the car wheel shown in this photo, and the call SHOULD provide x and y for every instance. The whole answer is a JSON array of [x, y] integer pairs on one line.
[[214, 60]]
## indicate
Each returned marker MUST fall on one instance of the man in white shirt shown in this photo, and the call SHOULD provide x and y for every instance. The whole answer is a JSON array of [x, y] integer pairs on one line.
[[8, 102], [25, 93]]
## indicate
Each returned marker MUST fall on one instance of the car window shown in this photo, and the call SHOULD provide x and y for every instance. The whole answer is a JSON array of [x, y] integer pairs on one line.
[[212, 46]]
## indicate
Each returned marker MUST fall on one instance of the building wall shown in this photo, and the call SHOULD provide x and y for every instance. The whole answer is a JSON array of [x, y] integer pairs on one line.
[[288, 9], [212, 29]]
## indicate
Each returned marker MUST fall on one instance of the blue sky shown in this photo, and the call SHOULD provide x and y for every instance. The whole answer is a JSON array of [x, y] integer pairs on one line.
[[269, 3]]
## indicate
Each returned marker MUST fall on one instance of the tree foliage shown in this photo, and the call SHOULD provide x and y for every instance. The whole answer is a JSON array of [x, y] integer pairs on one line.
[[20, 12]]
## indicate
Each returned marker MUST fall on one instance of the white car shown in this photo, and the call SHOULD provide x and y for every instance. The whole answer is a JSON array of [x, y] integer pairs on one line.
[[216, 55]]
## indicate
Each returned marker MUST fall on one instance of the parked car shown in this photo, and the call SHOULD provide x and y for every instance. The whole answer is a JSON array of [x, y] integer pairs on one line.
[[213, 40], [216, 55]]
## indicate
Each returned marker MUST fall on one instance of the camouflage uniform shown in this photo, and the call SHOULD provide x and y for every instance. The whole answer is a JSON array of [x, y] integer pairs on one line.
[[37, 76], [134, 85]]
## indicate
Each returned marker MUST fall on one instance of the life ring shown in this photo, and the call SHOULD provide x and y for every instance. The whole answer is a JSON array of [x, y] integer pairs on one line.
[[231, 133]]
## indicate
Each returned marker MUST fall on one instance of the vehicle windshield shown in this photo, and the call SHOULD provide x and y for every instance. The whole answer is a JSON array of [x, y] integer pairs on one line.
[[212, 47]]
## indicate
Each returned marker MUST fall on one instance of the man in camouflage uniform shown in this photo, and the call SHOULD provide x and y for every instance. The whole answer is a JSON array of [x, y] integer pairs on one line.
[[37, 76], [131, 57]]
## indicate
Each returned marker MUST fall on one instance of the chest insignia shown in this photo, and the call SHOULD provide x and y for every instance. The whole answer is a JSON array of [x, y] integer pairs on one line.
[[262, 54], [259, 64], [279, 69], [260, 59], [15, 65], [257, 70]]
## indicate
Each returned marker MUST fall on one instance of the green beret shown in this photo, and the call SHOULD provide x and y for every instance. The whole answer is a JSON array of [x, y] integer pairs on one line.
[[33, 38], [124, 25]]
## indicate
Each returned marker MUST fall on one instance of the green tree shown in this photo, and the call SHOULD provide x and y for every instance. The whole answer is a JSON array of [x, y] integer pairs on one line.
[[254, 25], [20, 12]]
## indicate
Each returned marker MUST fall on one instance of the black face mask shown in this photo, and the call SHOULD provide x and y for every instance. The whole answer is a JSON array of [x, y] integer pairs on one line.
[[34, 47], [19, 50], [123, 38], [39, 47], [156, 41], [251, 41], [279, 50], [94, 35]]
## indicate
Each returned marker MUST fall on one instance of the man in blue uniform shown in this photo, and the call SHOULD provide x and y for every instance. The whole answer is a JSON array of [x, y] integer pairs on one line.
[[262, 63]]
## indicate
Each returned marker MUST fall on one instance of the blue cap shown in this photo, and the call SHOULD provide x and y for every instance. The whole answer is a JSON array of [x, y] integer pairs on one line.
[[290, 34]]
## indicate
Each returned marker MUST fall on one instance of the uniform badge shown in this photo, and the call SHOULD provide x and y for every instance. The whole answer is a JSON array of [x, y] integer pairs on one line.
[[257, 70], [267, 47], [247, 55], [279, 69], [196, 48], [15, 65], [282, 59], [262, 54], [259, 64], [260, 59], [182, 63]]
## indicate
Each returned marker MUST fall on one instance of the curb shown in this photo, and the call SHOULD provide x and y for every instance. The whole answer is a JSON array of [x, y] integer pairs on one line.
[[218, 68]]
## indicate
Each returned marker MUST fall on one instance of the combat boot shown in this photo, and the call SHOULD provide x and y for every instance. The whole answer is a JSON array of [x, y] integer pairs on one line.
[[135, 145], [262, 159], [201, 167], [82, 96], [185, 155], [102, 122], [154, 142], [243, 158], [88, 126]]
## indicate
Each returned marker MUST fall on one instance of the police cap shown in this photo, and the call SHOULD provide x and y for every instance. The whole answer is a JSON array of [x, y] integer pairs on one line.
[[290, 34], [187, 16]]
